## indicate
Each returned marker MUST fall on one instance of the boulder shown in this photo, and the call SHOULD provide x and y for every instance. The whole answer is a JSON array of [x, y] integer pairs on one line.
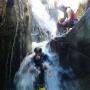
[[74, 48]]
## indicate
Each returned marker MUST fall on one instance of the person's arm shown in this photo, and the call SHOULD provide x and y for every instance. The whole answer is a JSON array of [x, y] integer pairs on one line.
[[34, 70], [69, 12], [47, 66], [46, 61], [32, 67]]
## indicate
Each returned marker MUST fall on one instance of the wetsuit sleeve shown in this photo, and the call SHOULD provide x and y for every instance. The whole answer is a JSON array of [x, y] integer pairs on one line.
[[48, 59]]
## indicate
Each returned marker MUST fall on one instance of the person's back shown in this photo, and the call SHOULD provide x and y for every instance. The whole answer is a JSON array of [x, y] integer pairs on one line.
[[71, 15], [71, 19]]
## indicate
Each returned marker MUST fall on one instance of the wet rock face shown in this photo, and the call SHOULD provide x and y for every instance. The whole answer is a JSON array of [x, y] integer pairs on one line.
[[15, 41], [80, 45], [74, 49], [60, 46]]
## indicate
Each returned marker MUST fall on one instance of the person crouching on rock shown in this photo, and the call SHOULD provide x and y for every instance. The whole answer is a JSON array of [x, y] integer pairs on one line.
[[71, 18]]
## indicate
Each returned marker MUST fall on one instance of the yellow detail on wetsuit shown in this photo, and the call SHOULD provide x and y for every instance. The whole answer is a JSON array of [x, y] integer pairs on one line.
[[43, 88]]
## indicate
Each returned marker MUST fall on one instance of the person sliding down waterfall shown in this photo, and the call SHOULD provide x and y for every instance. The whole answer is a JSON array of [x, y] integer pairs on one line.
[[39, 60], [70, 19]]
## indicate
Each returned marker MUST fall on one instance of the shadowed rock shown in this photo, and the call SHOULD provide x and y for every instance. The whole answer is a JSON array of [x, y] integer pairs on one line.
[[15, 39], [74, 48]]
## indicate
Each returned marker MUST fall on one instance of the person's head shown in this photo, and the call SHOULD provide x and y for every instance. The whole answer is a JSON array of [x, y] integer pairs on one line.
[[68, 8], [69, 12], [38, 52], [62, 7]]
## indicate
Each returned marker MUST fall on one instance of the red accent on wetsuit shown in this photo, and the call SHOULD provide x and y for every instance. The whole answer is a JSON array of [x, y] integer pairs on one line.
[[72, 15]]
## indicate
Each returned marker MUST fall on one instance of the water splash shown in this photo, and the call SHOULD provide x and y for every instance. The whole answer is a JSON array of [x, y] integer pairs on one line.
[[43, 18], [23, 78]]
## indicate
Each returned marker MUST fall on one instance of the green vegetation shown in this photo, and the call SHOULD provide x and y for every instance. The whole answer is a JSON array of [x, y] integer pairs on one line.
[[80, 12]]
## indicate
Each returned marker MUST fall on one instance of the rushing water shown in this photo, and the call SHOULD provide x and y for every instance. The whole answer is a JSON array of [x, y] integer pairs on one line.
[[59, 78], [42, 17], [56, 81], [24, 79]]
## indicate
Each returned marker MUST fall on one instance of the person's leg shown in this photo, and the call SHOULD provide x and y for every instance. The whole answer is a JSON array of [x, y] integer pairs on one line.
[[36, 84], [41, 78]]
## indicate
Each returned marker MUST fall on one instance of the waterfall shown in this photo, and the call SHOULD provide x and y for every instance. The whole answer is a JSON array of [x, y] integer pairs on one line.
[[59, 78], [42, 17], [23, 78]]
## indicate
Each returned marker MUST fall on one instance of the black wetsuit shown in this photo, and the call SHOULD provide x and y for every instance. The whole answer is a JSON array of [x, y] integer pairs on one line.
[[38, 64]]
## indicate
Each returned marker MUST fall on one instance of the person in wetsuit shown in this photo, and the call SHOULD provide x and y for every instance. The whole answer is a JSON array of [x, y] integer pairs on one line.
[[39, 59], [69, 20]]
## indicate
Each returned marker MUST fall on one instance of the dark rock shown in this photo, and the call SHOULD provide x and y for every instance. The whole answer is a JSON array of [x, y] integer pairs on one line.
[[74, 48], [60, 46], [15, 33]]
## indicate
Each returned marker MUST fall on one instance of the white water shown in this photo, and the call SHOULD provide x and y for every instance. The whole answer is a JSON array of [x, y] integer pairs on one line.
[[23, 78], [42, 17]]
